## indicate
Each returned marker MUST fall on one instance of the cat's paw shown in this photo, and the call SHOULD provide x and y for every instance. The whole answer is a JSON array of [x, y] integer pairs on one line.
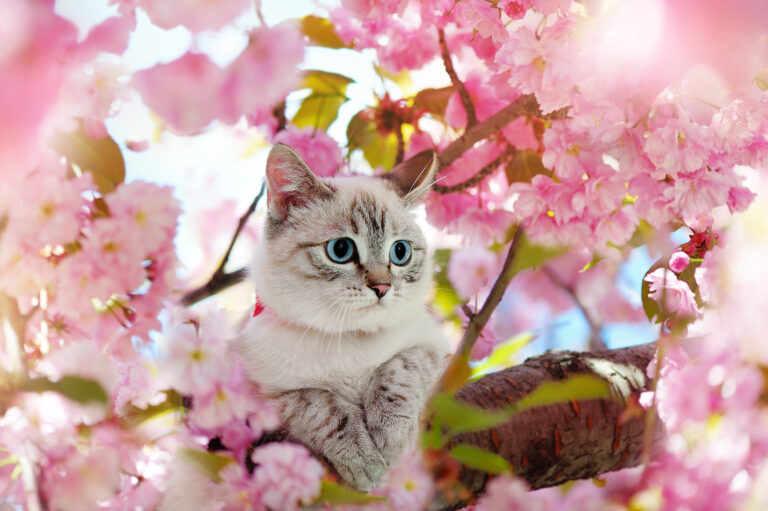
[[360, 464], [392, 434]]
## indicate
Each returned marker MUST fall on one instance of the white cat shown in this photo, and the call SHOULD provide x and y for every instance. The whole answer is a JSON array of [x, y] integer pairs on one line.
[[343, 341]]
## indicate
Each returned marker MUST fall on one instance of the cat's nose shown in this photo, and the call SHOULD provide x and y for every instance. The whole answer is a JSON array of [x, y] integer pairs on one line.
[[380, 289]]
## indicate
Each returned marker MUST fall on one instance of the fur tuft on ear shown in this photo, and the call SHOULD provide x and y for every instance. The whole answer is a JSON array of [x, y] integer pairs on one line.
[[290, 182], [414, 176]]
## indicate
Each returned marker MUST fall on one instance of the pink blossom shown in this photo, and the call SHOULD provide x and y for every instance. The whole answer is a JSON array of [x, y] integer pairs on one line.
[[316, 148], [408, 486], [472, 269], [739, 199], [286, 475], [148, 209], [515, 9], [373, 9], [191, 353], [273, 52], [507, 492], [196, 15], [176, 92], [78, 482], [482, 17], [679, 261], [679, 298], [678, 146]]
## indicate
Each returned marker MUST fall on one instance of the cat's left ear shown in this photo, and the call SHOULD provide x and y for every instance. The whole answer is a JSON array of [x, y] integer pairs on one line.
[[290, 183], [414, 176]]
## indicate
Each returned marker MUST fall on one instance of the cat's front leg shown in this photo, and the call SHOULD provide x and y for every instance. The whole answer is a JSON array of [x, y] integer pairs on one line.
[[334, 429], [395, 397]]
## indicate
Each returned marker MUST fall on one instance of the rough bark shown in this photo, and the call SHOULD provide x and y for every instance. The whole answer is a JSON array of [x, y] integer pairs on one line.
[[552, 444]]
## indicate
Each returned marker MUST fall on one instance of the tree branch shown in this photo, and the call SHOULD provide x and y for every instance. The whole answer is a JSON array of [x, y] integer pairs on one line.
[[466, 100], [477, 178], [552, 444], [478, 321], [524, 105], [221, 280]]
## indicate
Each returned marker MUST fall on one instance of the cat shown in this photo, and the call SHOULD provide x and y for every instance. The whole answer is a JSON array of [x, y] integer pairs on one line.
[[341, 340]]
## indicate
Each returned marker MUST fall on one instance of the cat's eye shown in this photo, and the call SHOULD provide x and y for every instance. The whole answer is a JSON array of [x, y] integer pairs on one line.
[[340, 250], [400, 253]]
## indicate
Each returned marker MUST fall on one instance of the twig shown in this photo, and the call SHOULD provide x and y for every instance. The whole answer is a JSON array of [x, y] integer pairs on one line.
[[466, 100], [595, 339], [524, 105], [478, 321], [220, 279], [472, 181]]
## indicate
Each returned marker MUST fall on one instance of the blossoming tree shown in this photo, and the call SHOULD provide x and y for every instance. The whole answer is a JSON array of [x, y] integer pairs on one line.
[[569, 134]]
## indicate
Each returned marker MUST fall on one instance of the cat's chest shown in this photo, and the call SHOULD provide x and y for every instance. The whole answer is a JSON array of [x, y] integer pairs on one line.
[[281, 358]]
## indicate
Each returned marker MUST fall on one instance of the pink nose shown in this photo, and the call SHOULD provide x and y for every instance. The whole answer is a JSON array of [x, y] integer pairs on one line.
[[380, 289]]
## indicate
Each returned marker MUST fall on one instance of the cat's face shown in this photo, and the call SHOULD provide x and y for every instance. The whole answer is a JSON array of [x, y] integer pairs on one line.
[[343, 254]]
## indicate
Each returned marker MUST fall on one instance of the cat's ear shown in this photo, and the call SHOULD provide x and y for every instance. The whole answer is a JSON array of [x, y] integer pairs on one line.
[[290, 183], [414, 176]]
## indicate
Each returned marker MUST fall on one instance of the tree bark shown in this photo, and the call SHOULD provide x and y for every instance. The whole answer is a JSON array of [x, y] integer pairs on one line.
[[552, 444]]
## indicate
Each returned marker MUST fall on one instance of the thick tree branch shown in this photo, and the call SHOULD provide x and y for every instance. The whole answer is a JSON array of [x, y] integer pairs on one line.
[[552, 444], [466, 100], [220, 279]]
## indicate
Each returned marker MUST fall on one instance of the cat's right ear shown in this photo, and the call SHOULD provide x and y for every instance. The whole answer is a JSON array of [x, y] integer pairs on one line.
[[290, 182], [413, 177]]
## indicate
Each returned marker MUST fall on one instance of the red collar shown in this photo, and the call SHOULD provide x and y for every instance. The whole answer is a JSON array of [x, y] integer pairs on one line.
[[260, 307]]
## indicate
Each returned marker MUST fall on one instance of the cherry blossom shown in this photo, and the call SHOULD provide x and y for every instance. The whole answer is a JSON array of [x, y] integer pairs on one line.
[[286, 475]]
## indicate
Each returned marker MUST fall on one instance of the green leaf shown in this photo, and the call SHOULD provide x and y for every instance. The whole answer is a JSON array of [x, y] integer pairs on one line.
[[502, 356], [446, 299], [524, 166], [433, 101], [321, 107], [77, 389], [480, 459], [402, 79], [578, 387], [136, 415], [99, 156], [379, 150], [530, 255], [320, 32], [209, 463], [460, 417], [324, 82], [338, 495]]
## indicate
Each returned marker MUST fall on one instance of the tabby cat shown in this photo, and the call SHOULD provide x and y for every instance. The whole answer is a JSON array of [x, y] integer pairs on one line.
[[341, 340]]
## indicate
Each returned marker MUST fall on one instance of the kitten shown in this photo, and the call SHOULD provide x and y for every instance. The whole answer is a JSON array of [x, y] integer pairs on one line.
[[344, 344]]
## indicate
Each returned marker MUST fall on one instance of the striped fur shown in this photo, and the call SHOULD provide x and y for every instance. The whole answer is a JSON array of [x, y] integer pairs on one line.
[[349, 371]]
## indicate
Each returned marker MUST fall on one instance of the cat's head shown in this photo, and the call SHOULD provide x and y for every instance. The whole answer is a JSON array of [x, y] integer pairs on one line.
[[343, 254]]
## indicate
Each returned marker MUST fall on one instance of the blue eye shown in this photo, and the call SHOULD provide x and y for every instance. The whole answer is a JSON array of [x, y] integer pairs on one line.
[[400, 253], [340, 250]]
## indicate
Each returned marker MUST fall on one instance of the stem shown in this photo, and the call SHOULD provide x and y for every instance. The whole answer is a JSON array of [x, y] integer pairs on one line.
[[524, 105], [478, 321], [466, 100], [221, 280], [472, 181]]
